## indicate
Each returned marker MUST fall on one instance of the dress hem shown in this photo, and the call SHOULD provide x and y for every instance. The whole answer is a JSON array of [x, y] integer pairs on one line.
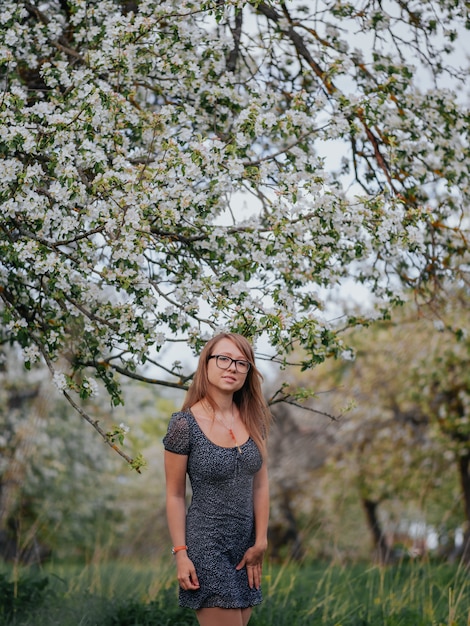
[[219, 606]]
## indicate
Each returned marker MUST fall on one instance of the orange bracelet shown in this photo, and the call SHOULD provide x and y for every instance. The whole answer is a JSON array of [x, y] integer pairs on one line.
[[176, 549]]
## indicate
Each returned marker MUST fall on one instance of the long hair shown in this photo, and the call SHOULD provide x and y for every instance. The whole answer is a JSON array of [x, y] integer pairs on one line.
[[253, 409]]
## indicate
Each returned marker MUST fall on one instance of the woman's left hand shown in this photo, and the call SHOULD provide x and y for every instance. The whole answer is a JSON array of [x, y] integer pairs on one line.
[[253, 561]]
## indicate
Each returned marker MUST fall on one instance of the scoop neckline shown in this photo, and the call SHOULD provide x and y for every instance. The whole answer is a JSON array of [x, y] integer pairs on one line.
[[210, 440]]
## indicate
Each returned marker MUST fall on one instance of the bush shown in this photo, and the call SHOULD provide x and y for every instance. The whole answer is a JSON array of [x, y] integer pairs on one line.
[[18, 598], [162, 612]]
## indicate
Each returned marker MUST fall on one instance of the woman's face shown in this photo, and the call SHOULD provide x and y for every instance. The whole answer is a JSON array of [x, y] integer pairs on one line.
[[227, 380]]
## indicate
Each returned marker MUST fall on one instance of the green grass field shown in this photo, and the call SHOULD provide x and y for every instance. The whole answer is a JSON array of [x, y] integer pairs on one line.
[[408, 594]]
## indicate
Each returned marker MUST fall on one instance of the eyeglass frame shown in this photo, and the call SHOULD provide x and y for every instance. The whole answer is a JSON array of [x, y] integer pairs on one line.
[[236, 361]]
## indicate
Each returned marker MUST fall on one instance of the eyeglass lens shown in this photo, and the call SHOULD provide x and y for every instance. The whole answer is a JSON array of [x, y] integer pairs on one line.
[[224, 362]]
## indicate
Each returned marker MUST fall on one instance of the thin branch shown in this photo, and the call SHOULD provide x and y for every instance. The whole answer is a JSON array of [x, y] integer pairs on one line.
[[144, 379], [269, 157], [84, 414], [285, 400], [97, 427]]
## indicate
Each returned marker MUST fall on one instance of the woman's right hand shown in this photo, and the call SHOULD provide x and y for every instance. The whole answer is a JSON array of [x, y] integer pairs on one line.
[[186, 572]]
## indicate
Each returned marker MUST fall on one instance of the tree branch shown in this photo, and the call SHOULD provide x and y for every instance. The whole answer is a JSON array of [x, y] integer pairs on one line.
[[95, 423], [299, 45], [237, 33]]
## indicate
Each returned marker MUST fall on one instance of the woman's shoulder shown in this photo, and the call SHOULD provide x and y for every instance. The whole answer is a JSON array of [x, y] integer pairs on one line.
[[183, 415], [181, 419], [177, 438]]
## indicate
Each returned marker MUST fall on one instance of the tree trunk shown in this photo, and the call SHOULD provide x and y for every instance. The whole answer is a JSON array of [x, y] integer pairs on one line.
[[285, 532], [382, 552], [464, 471], [13, 545]]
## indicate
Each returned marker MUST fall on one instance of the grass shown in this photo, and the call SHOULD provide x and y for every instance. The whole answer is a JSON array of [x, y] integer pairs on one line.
[[408, 594]]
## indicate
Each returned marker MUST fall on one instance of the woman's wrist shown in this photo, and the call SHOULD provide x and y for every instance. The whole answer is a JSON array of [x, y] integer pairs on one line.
[[261, 544]]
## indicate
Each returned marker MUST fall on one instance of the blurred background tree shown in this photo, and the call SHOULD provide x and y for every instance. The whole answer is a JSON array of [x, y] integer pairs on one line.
[[62, 494], [395, 458]]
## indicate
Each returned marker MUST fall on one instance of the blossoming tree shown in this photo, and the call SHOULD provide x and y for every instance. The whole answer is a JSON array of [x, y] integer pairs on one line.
[[167, 171]]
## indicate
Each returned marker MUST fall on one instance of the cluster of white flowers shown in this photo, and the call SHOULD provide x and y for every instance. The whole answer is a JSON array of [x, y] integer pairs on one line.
[[60, 380], [116, 177], [91, 387], [31, 354]]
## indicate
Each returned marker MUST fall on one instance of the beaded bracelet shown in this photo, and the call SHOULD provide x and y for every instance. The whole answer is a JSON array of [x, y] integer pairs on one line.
[[176, 549]]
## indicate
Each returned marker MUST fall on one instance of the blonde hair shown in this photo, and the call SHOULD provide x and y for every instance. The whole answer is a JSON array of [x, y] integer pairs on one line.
[[252, 406]]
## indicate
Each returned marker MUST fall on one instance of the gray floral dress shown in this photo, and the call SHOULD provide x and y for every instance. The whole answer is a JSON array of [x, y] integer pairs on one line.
[[220, 519]]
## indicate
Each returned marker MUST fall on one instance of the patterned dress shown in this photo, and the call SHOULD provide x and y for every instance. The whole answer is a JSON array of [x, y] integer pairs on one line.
[[220, 519]]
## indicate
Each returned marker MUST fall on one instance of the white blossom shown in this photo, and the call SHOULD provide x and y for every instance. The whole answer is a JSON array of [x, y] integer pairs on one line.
[[60, 380]]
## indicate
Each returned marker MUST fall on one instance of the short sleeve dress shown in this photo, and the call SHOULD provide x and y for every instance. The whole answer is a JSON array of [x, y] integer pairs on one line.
[[220, 518]]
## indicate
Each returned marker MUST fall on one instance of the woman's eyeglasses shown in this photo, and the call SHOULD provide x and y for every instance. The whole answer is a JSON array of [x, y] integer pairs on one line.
[[224, 362]]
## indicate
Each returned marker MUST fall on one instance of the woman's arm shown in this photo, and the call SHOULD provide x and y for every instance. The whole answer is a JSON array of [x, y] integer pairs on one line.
[[261, 507], [253, 558], [175, 472]]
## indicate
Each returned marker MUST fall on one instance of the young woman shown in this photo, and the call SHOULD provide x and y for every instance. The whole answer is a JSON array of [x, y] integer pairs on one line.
[[219, 440]]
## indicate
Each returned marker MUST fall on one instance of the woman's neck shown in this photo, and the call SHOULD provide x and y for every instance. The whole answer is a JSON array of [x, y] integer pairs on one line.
[[223, 402]]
